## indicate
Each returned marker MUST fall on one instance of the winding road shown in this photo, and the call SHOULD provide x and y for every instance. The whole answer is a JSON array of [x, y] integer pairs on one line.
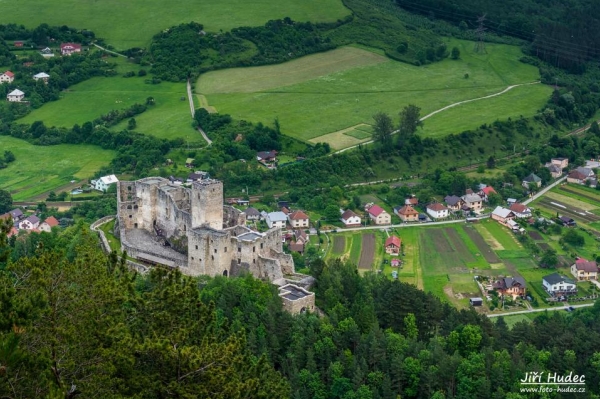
[[447, 107]]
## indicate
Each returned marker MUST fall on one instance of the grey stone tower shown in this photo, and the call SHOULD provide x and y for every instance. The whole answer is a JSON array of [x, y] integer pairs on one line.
[[207, 204]]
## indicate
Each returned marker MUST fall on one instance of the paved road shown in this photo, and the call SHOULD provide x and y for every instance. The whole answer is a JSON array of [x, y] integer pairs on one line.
[[544, 190], [585, 305], [445, 108], [193, 111], [425, 224]]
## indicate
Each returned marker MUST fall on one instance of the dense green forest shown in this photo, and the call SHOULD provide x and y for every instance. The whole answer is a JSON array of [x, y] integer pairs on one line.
[[76, 323], [559, 32]]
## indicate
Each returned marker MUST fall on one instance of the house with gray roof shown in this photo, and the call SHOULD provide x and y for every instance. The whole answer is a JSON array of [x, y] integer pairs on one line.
[[558, 285], [473, 201], [276, 219], [252, 213], [532, 178]]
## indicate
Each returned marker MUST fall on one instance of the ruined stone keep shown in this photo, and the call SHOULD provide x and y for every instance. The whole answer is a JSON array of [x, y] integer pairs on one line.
[[190, 229]]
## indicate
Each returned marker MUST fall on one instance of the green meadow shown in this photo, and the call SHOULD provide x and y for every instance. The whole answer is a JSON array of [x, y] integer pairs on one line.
[[168, 118], [132, 23], [319, 95], [39, 169]]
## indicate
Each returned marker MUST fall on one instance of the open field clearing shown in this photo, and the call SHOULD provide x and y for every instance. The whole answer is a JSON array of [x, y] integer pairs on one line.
[[321, 104], [583, 194], [38, 169], [577, 214], [569, 199], [126, 24], [168, 118], [344, 138]]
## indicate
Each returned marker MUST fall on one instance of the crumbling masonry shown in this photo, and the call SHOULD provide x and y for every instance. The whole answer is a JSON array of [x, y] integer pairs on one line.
[[190, 229]]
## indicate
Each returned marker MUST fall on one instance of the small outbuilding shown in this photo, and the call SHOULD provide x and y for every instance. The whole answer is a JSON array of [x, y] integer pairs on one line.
[[475, 301]]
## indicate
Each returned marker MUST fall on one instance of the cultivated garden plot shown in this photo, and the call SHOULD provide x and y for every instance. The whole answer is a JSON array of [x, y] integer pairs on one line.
[[339, 244], [367, 252], [564, 209], [485, 250]]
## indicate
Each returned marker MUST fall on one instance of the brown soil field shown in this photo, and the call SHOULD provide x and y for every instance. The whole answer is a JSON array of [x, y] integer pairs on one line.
[[535, 236], [368, 251], [339, 244], [459, 245], [440, 241], [489, 255]]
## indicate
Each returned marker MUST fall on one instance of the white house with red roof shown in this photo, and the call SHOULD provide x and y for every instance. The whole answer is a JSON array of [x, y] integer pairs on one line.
[[7, 77], [48, 224], [392, 245], [350, 219], [298, 219], [520, 210], [486, 191], [15, 96], [378, 215], [437, 211], [70, 48]]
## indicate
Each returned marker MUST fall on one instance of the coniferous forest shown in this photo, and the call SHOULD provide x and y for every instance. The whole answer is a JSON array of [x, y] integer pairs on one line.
[[77, 323]]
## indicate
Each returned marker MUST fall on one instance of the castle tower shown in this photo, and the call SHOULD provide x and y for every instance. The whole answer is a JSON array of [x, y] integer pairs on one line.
[[207, 204]]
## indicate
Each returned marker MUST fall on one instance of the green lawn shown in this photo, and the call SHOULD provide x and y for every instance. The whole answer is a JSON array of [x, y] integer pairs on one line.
[[168, 118], [311, 103], [132, 23], [38, 169]]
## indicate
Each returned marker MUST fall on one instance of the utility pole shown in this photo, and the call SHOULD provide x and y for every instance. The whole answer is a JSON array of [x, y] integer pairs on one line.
[[480, 31]]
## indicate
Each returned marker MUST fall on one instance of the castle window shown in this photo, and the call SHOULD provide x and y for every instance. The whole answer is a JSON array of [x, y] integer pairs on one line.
[[185, 229], [261, 245], [215, 250], [128, 206], [225, 249], [135, 225], [129, 188], [192, 258], [130, 216], [253, 249], [239, 261], [196, 247], [225, 273], [212, 257], [253, 260], [239, 249]]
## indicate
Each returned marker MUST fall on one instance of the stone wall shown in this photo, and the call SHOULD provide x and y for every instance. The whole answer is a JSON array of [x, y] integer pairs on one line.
[[299, 305], [207, 204], [209, 252]]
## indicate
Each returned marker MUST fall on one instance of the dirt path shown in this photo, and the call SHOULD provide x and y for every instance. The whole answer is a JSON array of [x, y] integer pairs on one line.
[[448, 107], [193, 111], [109, 51]]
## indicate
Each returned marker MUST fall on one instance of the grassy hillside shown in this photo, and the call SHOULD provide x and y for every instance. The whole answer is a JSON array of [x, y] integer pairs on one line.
[[132, 23], [168, 118], [331, 95], [39, 169]]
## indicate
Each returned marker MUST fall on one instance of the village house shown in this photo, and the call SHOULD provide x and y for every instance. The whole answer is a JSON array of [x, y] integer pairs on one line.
[[567, 221], [503, 216], [189, 163], [437, 211], [584, 270], [412, 201], [267, 158], [473, 201], [453, 202], [407, 213], [197, 176], [393, 245], [7, 77], [520, 210], [485, 192], [30, 223], [532, 178], [555, 171], [48, 224], [252, 214], [69, 48], [276, 219], [560, 162], [378, 215], [43, 76], [18, 43], [558, 285], [350, 219], [513, 286], [103, 183], [16, 214], [580, 175], [298, 219], [15, 96], [47, 52]]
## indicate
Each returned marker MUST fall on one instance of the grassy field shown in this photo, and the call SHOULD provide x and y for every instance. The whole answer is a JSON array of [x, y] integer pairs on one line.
[[168, 118], [330, 96], [126, 24], [38, 169]]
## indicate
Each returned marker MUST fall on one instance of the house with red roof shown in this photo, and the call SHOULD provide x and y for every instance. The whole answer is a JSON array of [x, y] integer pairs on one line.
[[437, 211], [407, 213], [298, 219], [520, 210], [48, 224], [70, 48], [486, 191], [584, 270], [7, 77], [392, 245], [378, 215]]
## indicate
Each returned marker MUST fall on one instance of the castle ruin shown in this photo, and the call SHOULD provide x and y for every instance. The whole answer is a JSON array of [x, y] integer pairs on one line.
[[191, 229]]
